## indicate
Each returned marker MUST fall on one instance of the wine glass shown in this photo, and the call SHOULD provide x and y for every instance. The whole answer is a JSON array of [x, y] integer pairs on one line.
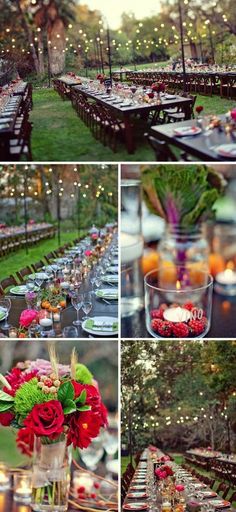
[[87, 306], [110, 443], [93, 454], [5, 306], [39, 281], [93, 281], [77, 301]]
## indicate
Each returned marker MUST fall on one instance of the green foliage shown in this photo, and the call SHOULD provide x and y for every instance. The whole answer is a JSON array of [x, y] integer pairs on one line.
[[28, 395], [184, 192], [83, 374]]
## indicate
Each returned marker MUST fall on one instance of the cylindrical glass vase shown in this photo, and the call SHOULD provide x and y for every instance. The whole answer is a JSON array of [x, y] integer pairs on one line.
[[178, 304], [183, 245], [50, 484], [131, 242]]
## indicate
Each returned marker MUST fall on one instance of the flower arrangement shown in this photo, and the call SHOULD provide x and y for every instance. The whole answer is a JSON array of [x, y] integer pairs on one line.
[[27, 317], [199, 109], [158, 87], [163, 472], [233, 114], [52, 406], [47, 399]]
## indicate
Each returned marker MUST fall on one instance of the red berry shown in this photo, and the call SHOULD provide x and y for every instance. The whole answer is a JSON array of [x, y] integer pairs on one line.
[[81, 489], [93, 496], [48, 382], [189, 305], [81, 496], [155, 323], [163, 328], [180, 330], [157, 313], [96, 485], [197, 326]]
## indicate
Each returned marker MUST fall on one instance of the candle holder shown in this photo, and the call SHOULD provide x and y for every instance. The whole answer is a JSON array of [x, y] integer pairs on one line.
[[22, 487], [13, 333], [82, 479], [4, 478], [45, 322], [224, 259], [178, 301]]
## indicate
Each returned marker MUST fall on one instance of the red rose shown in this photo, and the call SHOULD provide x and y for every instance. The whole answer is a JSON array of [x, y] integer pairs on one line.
[[25, 441], [104, 415], [6, 418], [168, 470], [199, 109], [84, 426], [46, 419], [93, 397]]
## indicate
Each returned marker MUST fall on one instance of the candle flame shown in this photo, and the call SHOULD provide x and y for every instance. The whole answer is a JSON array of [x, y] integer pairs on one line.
[[230, 265], [178, 285]]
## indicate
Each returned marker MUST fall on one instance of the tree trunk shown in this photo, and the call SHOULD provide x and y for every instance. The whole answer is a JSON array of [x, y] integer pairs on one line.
[[41, 53], [57, 46], [29, 35]]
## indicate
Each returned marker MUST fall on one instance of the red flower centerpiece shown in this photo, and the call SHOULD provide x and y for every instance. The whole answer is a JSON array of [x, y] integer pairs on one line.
[[53, 407]]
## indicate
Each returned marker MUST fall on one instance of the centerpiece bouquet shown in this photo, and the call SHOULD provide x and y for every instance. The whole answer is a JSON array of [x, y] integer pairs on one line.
[[52, 406]]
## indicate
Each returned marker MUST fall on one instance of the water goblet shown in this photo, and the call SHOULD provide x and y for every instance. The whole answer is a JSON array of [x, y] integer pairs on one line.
[[87, 306], [77, 301], [5, 306]]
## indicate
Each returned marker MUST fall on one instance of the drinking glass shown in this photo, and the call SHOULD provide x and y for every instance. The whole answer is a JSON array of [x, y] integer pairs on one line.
[[87, 306], [77, 301], [5, 306], [70, 332], [93, 454], [110, 443]]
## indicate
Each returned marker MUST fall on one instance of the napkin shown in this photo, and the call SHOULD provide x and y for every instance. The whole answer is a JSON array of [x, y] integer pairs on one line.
[[2, 315], [101, 325], [107, 294]]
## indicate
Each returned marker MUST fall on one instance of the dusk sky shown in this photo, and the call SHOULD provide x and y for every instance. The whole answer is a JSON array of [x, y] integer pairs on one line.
[[113, 10]]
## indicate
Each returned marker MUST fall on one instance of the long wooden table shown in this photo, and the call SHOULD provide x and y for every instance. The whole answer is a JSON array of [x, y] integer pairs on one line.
[[128, 113], [7, 132], [201, 146]]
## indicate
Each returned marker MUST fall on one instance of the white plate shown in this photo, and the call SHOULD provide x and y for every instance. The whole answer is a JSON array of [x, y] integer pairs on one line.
[[108, 293], [110, 278], [114, 269], [135, 506], [39, 275], [21, 290], [226, 150], [187, 131], [101, 319]]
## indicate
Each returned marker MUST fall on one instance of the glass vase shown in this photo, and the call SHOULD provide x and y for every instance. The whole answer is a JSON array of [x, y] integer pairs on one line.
[[184, 245], [50, 481]]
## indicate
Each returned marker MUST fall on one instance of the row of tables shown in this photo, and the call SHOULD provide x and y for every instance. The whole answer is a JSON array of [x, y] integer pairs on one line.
[[15, 101], [145, 493]]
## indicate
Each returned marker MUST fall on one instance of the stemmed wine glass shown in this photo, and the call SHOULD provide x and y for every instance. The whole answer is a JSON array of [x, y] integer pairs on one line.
[[77, 301], [5, 306], [87, 305], [93, 454]]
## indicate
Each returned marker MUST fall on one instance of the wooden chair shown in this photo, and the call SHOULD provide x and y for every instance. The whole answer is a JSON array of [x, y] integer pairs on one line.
[[24, 272], [50, 256], [37, 266], [222, 487], [20, 145], [161, 149], [232, 498], [6, 283]]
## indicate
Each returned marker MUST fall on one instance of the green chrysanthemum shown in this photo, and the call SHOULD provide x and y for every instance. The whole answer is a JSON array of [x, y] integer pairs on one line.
[[28, 395], [83, 375]]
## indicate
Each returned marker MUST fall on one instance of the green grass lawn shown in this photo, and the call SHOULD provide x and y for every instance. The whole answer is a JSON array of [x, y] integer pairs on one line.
[[60, 135], [19, 259]]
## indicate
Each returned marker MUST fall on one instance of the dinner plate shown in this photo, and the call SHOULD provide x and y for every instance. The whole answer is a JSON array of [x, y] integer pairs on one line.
[[101, 322], [227, 150], [135, 506], [137, 487], [39, 275], [107, 293], [185, 131], [115, 261], [220, 503], [114, 269], [206, 495], [136, 495], [3, 314], [4, 125], [110, 278], [21, 290]]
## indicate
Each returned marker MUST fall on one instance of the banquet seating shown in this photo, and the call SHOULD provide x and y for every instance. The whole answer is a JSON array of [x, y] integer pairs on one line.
[[5, 283], [37, 266], [180, 114], [125, 480], [24, 272], [222, 487], [50, 256], [161, 149]]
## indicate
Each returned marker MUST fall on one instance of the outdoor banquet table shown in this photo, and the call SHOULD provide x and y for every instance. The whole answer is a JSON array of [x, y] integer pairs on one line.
[[8, 505], [7, 132], [210, 456], [222, 324], [127, 113], [155, 496], [200, 146]]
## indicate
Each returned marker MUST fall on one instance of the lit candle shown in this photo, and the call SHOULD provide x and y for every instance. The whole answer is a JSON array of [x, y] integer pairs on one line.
[[57, 316], [82, 480], [228, 276], [177, 314], [22, 488], [4, 478], [12, 332], [45, 322]]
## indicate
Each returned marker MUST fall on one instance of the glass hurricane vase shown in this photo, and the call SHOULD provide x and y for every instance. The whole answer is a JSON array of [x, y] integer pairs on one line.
[[50, 482]]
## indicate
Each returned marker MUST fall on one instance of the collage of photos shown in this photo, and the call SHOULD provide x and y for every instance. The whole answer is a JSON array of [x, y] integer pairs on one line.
[[117, 256]]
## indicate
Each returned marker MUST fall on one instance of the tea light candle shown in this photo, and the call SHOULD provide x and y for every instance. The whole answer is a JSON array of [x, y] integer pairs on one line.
[[225, 282], [177, 315], [82, 479], [22, 489], [12, 332], [57, 316], [45, 322], [4, 478]]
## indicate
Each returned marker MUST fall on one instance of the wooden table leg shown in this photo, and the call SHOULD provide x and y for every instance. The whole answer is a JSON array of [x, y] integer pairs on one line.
[[129, 134]]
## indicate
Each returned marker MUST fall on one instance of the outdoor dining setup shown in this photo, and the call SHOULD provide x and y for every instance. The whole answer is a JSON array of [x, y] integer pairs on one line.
[[15, 128]]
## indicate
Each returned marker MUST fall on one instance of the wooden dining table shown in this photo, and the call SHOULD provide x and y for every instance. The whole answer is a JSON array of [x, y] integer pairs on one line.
[[7, 504], [7, 132], [128, 113], [201, 146]]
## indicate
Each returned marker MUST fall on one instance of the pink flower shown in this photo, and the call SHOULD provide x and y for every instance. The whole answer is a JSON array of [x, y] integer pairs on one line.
[[27, 317], [88, 253], [94, 236], [233, 114], [179, 487], [161, 474], [165, 458]]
